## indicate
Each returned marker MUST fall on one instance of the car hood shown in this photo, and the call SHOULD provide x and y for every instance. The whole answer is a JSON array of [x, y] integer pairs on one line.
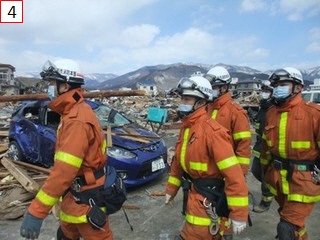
[[133, 137]]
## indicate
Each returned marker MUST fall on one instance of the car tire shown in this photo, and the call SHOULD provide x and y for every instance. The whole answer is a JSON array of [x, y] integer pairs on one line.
[[15, 152]]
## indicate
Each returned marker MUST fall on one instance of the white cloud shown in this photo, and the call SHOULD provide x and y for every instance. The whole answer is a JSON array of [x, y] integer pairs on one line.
[[139, 36], [297, 9], [253, 5]]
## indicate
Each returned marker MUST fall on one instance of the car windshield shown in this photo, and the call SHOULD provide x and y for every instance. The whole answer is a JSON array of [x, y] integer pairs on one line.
[[306, 96], [108, 116]]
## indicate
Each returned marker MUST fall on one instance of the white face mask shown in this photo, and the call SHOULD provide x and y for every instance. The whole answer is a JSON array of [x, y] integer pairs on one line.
[[215, 93], [281, 92], [52, 92], [185, 108], [265, 95]]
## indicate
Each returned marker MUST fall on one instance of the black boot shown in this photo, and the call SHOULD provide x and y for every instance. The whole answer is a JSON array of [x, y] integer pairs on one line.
[[262, 207]]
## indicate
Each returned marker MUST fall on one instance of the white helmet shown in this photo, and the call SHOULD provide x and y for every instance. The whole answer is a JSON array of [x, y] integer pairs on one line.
[[63, 70], [286, 74], [197, 86], [266, 85], [218, 76]]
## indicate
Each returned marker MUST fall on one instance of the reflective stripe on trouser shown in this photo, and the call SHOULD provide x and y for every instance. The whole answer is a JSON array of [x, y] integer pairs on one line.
[[86, 231]]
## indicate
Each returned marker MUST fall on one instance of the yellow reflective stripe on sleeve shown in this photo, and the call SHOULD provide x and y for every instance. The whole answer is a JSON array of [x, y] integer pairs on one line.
[[200, 221], [264, 161], [243, 160], [68, 159], [175, 181], [264, 137], [303, 198], [199, 166], [46, 199], [300, 144], [228, 162], [238, 201], [282, 134], [214, 114], [184, 149], [241, 135], [256, 153], [104, 147], [285, 183], [318, 143]]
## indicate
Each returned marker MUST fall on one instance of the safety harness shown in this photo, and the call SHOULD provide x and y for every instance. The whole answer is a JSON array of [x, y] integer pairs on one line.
[[290, 165]]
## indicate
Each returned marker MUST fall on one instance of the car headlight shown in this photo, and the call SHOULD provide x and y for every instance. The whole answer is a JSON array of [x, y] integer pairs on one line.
[[117, 152]]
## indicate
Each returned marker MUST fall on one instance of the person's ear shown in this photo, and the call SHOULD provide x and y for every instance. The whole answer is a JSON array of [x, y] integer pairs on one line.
[[64, 87]]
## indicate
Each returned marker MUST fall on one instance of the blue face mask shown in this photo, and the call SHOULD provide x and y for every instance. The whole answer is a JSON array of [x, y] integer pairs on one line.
[[52, 92], [184, 110], [281, 92]]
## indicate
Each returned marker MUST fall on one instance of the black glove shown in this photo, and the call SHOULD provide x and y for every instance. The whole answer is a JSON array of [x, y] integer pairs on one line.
[[30, 227]]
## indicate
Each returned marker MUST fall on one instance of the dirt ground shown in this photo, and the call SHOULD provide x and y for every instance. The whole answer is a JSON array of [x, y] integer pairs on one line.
[[156, 221]]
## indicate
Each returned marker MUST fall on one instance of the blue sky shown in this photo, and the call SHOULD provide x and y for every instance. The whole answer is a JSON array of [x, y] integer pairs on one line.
[[119, 36]]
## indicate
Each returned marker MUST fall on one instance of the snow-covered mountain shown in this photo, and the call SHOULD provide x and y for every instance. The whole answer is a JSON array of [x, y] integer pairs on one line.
[[167, 76]]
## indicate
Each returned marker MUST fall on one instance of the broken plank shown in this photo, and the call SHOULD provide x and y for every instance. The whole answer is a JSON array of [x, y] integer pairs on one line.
[[101, 94], [21, 175], [32, 167]]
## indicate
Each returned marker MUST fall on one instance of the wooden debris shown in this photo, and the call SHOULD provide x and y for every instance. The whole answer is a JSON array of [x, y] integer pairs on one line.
[[101, 94], [158, 193], [130, 206], [32, 167], [21, 175]]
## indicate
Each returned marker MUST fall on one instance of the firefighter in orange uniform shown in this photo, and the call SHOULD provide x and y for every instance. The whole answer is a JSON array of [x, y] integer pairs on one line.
[[230, 115], [205, 156], [79, 161], [290, 153]]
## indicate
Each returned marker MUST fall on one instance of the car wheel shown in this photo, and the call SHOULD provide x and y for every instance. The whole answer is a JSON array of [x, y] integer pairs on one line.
[[15, 152]]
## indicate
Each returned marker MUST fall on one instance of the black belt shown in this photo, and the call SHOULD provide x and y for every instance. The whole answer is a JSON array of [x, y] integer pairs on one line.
[[289, 164], [81, 180]]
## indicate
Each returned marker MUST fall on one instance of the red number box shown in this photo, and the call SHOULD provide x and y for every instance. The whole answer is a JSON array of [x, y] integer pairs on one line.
[[11, 11]]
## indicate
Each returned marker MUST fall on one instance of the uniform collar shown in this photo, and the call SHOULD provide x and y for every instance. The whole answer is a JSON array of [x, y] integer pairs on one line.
[[64, 103], [286, 107], [217, 103]]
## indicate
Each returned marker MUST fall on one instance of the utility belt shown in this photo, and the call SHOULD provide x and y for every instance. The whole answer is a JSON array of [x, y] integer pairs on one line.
[[80, 181], [212, 189], [291, 165], [110, 195]]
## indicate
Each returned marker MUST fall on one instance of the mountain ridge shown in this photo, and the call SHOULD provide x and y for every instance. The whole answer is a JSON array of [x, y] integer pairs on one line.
[[167, 76]]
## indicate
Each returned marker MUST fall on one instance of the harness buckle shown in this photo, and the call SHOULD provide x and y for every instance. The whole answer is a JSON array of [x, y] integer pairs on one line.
[[206, 203], [277, 164], [75, 185]]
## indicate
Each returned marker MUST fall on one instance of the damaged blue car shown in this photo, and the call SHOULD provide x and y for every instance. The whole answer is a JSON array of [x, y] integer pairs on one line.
[[139, 155]]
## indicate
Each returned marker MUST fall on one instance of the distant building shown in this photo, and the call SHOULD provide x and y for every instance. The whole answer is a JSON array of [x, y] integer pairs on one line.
[[148, 85], [7, 83], [315, 85], [247, 87]]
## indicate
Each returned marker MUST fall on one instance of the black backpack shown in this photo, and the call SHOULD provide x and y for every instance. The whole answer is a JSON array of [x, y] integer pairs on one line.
[[114, 193]]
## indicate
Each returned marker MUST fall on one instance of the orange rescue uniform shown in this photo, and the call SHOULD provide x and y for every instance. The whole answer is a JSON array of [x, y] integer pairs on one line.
[[292, 132], [204, 150], [80, 150], [234, 118]]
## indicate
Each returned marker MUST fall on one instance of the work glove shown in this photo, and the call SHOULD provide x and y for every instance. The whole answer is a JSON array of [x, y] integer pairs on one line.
[[168, 198], [238, 226], [30, 227]]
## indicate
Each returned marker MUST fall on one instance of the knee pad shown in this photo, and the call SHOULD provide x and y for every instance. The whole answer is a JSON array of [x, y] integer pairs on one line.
[[286, 231]]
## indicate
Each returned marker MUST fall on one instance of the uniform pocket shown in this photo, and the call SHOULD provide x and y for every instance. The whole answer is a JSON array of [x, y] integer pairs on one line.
[[270, 132]]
